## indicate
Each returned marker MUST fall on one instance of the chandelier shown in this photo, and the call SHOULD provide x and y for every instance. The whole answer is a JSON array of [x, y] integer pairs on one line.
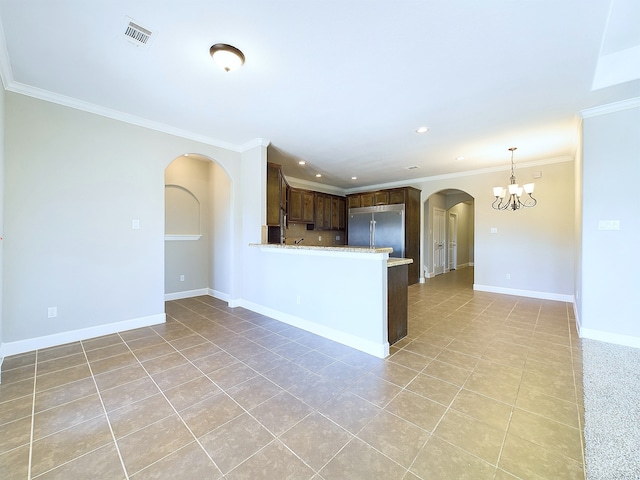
[[515, 200]]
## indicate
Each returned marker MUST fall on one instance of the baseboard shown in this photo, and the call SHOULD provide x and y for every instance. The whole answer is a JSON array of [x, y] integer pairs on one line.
[[367, 346], [1, 359], [219, 295], [525, 293], [609, 337], [185, 294], [22, 346]]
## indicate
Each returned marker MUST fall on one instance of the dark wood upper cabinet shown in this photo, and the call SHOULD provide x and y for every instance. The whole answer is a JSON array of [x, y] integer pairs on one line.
[[301, 206], [276, 194]]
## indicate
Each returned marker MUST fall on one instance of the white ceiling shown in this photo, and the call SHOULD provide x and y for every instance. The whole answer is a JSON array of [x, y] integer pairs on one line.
[[342, 84]]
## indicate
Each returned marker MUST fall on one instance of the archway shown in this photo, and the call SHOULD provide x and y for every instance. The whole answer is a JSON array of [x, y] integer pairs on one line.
[[198, 247], [448, 232]]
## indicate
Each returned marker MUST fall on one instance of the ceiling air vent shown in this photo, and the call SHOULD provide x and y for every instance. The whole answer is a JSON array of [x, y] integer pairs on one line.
[[137, 35], [412, 167]]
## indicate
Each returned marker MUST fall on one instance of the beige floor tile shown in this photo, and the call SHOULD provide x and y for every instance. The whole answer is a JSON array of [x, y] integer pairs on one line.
[[189, 393], [550, 407], [395, 437], [66, 415], [208, 414], [15, 409], [549, 434], [153, 352], [254, 391], [447, 372], [66, 445], [417, 409], [145, 447], [65, 393], [315, 439], [15, 463], [234, 442], [176, 376], [15, 434], [138, 415], [62, 377], [434, 389], [280, 413], [483, 408], [67, 349], [478, 438], [119, 377], [164, 362], [394, 373], [103, 462], [232, 375], [61, 363], [188, 463], [441, 460], [375, 390], [359, 461], [410, 360], [113, 363], [458, 359], [273, 461], [128, 393], [528, 460], [349, 411]]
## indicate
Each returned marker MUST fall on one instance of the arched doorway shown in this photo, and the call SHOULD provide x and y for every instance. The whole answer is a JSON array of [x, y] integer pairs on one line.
[[198, 228], [448, 232]]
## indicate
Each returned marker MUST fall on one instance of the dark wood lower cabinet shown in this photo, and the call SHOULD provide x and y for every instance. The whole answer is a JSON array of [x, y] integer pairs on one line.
[[397, 302]]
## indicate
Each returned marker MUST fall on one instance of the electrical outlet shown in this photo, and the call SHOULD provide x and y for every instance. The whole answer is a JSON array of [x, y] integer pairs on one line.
[[319, 238], [298, 299], [337, 237], [52, 312], [135, 224], [182, 278], [508, 276]]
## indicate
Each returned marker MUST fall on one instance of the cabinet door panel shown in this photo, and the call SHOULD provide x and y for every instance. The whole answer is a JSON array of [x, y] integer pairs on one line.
[[381, 198], [354, 201], [396, 197], [366, 200], [307, 207]]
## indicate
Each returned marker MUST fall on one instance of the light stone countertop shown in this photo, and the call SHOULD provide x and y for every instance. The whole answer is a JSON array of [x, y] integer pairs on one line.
[[391, 262], [335, 248], [394, 262]]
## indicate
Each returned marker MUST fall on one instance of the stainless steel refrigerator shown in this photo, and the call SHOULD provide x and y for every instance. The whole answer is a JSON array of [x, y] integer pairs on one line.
[[381, 226]]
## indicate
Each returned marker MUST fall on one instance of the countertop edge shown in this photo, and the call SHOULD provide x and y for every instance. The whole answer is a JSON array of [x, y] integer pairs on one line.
[[395, 262], [337, 248]]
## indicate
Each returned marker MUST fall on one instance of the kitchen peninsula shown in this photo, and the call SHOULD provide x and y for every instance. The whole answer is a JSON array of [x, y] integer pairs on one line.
[[352, 295]]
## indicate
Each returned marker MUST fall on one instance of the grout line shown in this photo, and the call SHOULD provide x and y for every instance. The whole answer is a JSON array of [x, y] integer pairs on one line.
[[33, 414], [106, 416]]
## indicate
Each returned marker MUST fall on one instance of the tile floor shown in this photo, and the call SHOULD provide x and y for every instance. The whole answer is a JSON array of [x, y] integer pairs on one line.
[[485, 386]]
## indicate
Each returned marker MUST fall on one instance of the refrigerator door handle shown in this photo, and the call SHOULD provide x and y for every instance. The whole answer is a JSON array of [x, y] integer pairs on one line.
[[372, 234]]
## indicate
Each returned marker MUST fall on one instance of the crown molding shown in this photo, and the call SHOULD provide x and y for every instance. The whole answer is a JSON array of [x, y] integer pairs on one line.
[[610, 107], [466, 173]]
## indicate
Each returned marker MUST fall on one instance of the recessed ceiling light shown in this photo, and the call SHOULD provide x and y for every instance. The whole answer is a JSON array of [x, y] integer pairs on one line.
[[422, 130], [459, 158], [302, 162], [354, 178], [318, 175]]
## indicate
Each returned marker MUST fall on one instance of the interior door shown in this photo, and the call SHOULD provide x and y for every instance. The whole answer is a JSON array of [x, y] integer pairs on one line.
[[453, 241], [438, 241]]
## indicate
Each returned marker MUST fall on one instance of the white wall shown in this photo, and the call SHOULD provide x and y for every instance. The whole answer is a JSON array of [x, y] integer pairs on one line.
[[610, 304], [2, 135], [221, 232], [74, 182], [535, 246]]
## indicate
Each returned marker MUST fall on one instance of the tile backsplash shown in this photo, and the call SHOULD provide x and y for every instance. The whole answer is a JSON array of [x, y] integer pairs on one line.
[[325, 238]]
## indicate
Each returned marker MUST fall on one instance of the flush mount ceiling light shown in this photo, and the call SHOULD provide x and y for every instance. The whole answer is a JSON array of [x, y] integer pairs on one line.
[[515, 200], [422, 130], [227, 56]]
